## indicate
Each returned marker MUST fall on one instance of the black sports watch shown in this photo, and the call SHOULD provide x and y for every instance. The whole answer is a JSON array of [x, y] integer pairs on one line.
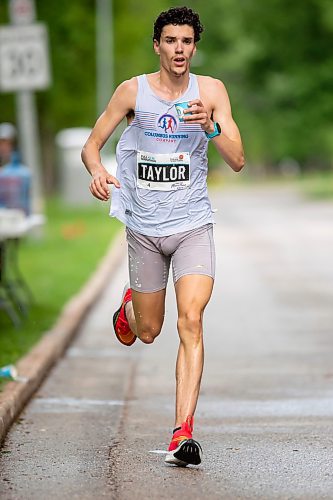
[[217, 131]]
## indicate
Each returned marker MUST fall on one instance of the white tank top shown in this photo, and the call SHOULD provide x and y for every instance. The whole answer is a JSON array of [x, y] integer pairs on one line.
[[162, 167]]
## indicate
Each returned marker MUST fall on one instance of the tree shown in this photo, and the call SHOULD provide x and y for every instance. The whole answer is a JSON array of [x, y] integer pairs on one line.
[[274, 57]]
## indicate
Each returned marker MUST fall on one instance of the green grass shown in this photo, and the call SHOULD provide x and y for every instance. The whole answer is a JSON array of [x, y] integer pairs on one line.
[[319, 185], [55, 267]]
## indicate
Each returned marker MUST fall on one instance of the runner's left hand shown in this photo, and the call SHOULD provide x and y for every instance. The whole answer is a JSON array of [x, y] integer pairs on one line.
[[197, 113]]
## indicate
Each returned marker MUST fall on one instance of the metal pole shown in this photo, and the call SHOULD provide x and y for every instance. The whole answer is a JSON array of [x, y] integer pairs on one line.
[[104, 53], [26, 114], [29, 144]]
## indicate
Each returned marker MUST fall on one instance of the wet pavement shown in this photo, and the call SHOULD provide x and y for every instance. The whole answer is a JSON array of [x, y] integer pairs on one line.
[[100, 424]]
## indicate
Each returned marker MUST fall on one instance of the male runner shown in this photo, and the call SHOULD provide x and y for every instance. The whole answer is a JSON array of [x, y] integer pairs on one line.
[[160, 194]]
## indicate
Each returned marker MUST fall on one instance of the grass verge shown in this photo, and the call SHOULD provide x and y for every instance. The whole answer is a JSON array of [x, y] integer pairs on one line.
[[55, 267], [319, 185]]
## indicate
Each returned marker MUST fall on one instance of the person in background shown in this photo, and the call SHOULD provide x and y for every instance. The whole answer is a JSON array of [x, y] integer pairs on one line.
[[7, 142]]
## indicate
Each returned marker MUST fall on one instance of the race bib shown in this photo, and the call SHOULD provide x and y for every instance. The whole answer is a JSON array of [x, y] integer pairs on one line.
[[163, 172]]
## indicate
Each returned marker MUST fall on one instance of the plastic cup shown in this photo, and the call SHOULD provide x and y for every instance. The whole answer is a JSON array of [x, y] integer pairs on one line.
[[8, 371], [180, 106]]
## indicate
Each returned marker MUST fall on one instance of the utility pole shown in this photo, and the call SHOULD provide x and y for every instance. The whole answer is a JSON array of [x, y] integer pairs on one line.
[[104, 54]]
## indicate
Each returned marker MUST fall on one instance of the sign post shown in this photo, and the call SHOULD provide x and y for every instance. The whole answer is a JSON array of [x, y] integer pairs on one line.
[[24, 67]]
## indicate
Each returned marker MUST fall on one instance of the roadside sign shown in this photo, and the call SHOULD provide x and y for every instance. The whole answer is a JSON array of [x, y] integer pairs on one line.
[[22, 11], [24, 60]]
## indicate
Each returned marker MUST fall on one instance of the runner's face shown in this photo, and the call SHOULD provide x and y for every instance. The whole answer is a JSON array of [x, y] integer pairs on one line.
[[176, 48]]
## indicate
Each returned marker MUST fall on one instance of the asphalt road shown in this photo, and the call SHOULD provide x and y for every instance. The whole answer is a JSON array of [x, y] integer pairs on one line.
[[100, 424]]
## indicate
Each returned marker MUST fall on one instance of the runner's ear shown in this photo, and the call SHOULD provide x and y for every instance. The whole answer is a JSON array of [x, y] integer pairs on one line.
[[156, 46]]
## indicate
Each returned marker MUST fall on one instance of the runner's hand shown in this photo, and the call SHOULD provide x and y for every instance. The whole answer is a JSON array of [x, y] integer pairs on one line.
[[99, 184], [197, 113]]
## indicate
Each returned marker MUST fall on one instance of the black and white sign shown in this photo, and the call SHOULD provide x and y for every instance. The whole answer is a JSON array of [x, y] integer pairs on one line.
[[163, 172], [24, 60]]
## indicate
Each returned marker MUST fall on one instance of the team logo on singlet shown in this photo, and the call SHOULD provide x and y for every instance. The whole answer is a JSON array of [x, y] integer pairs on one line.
[[167, 123]]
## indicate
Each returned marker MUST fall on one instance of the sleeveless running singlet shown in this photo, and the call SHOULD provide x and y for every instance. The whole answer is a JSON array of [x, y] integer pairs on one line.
[[162, 167]]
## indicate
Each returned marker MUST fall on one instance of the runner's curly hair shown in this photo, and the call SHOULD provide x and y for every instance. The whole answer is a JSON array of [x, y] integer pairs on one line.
[[178, 15]]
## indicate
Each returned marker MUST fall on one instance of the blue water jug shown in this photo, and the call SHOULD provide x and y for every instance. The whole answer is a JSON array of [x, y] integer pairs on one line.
[[15, 185]]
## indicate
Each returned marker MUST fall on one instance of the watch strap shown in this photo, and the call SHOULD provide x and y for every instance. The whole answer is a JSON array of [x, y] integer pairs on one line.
[[216, 132]]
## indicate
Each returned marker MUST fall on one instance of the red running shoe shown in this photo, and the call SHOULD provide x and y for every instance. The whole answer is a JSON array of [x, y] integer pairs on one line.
[[183, 450], [121, 327]]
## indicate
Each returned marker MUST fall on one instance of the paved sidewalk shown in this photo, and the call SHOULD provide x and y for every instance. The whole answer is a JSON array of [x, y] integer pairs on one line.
[[35, 365], [99, 425]]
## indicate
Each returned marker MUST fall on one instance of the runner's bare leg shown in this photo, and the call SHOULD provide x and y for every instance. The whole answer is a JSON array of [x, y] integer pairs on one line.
[[193, 293], [145, 314]]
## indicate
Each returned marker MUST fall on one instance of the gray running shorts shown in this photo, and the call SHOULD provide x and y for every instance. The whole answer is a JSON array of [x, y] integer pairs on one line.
[[191, 252]]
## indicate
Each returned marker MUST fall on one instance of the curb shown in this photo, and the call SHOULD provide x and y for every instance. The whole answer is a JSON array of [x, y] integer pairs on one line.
[[37, 363]]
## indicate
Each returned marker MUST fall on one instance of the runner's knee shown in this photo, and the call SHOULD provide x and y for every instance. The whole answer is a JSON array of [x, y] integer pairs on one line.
[[148, 332], [190, 326]]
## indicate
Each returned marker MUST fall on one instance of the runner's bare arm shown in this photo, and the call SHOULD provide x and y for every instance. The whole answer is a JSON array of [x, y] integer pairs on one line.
[[120, 105], [217, 108]]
